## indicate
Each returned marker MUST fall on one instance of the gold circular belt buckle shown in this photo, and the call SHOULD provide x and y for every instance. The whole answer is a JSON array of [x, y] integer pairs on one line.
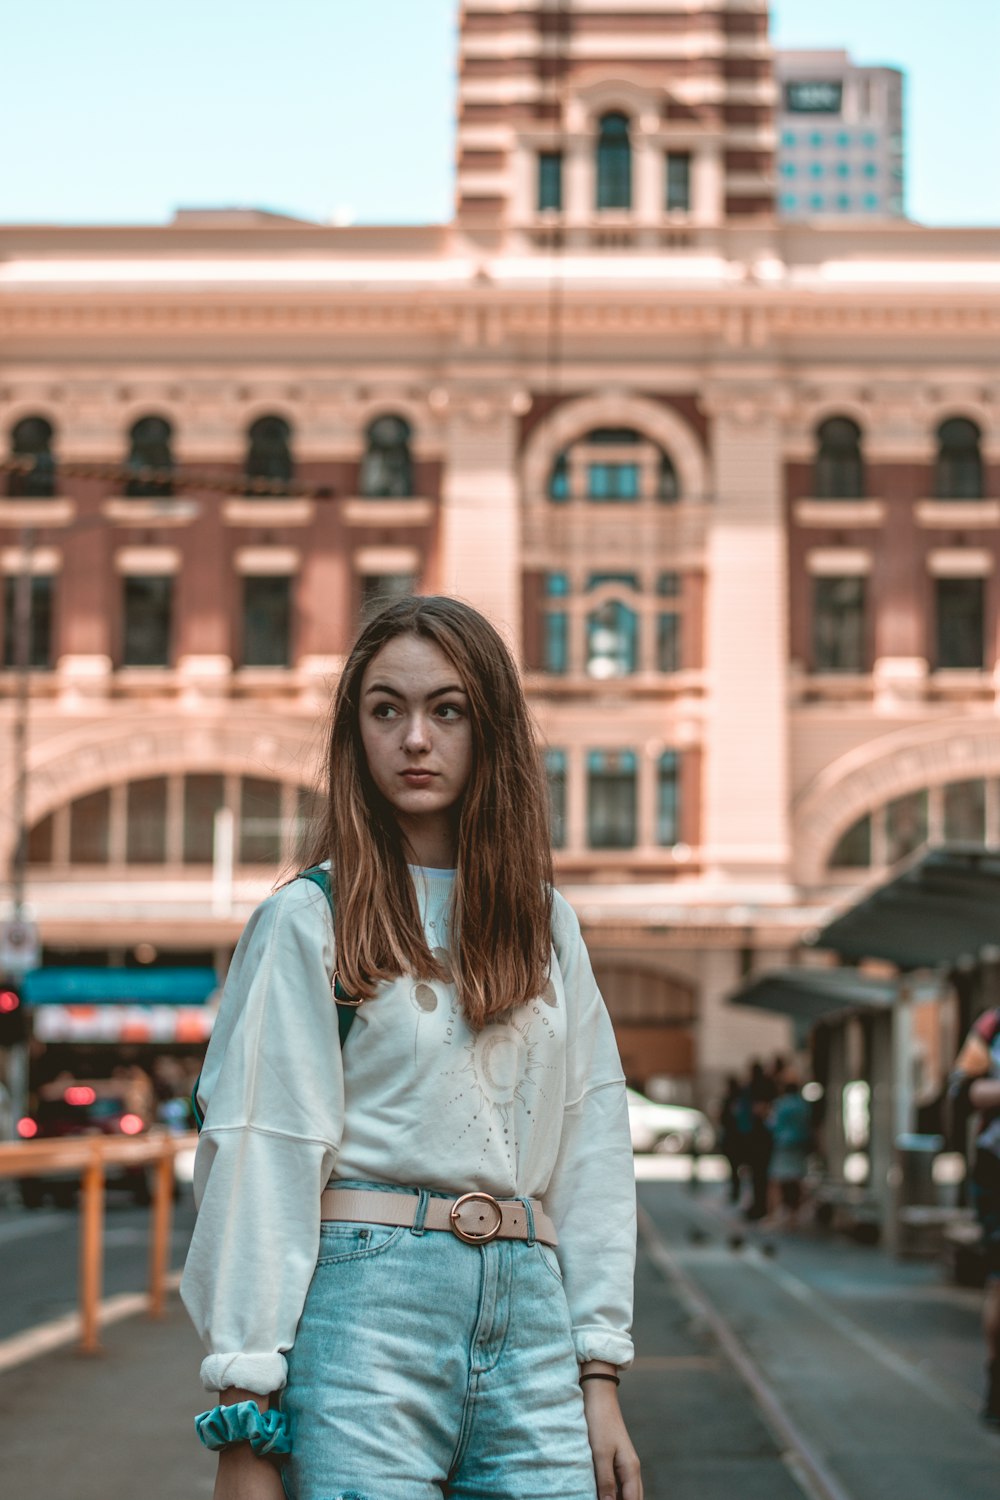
[[476, 1236]]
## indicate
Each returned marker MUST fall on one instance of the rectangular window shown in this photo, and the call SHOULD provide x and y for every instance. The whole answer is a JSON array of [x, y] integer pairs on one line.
[[668, 799], [550, 175], [555, 635], [39, 642], [260, 822], [960, 622], [555, 771], [379, 590], [679, 181], [905, 825], [965, 812], [204, 794], [146, 821], [839, 624], [668, 625], [147, 618], [267, 621], [612, 630], [310, 807], [611, 799], [88, 829], [613, 482]]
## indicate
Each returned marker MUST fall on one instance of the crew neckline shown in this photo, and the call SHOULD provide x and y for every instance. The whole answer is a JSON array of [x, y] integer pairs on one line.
[[433, 871]]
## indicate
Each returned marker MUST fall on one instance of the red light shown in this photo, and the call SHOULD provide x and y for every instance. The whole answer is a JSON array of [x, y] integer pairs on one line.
[[79, 1094], [9, 1002], [27, 1128], [131, 1124]]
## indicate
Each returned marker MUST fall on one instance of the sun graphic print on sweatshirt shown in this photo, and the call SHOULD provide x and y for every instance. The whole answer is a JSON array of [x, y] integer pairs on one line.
[[499, 1080]]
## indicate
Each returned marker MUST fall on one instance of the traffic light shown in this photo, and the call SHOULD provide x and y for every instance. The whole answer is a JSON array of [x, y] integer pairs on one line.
[[13, 1016]]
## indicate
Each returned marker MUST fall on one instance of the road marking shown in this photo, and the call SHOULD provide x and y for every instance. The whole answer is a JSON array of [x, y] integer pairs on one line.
[[800, 1458], [938, 1387], [845, 1325], [45, 1337]]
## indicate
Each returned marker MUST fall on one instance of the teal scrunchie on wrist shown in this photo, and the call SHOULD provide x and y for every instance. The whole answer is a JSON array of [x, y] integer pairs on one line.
[[267, 1432]]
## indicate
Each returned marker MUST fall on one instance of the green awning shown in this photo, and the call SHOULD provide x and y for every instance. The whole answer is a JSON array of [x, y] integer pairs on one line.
[[86, 986], [942, 909], [812, 995]]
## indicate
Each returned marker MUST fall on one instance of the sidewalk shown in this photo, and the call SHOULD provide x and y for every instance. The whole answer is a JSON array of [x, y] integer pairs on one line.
[[875, 1365]]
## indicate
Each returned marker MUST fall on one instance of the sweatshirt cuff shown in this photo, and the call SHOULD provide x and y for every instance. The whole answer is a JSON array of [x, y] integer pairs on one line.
[[260, 1373], [603, 1343]]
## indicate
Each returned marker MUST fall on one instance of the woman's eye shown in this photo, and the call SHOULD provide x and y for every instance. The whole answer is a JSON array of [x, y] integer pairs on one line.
[[449, 711], [383, 710]]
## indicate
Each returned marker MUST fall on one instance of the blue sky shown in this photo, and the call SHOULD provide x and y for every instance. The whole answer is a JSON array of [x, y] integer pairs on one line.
[[120, 111]]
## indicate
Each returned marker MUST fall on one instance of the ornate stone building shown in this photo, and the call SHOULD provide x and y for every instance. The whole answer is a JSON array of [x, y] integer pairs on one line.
[[731, 486]]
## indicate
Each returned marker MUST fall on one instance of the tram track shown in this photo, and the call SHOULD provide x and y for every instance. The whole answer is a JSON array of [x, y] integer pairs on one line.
[[805, 1465]]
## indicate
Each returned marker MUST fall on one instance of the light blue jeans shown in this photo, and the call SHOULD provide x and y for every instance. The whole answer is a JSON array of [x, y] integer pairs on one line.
[[424, 1367]]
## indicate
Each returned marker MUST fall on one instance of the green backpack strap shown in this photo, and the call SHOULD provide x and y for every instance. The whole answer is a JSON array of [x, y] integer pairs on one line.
[[347, 1006]]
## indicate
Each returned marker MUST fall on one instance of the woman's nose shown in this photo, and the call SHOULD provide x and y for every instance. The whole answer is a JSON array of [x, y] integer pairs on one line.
[[416, 737]]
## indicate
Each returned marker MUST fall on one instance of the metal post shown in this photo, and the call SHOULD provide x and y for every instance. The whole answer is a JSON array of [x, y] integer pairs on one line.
[[22, 667], [162, 1218], [17, 1062], [91, 1253]]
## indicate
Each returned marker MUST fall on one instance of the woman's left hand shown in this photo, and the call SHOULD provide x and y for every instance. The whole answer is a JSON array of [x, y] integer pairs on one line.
[[616, 1463]]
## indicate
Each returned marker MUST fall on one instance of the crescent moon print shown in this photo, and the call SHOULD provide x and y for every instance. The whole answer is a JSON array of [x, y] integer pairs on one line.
[[501, 1075]]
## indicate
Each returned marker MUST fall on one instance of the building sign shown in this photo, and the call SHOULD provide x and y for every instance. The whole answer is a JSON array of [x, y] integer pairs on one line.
[[88, 986], [814, 96]]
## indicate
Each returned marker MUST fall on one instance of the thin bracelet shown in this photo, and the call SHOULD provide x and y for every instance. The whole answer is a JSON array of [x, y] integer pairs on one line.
[[600, 1376]]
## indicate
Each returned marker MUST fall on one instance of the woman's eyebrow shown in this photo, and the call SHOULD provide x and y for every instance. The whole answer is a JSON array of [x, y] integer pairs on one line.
[[384, 687]]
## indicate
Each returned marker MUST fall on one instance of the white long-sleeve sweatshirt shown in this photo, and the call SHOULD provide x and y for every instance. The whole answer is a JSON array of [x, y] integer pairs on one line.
[[533, 1107]]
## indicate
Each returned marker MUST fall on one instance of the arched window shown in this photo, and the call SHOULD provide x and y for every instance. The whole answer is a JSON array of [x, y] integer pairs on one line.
[[613, 465], [31, 439], [839, 469], [614, 163], [150, 460], [269, 455], [959, 470], [670, 486], [387, 467]]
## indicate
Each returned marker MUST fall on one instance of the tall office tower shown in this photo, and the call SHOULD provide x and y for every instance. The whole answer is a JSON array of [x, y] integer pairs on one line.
[[620, 121], [840, 141]]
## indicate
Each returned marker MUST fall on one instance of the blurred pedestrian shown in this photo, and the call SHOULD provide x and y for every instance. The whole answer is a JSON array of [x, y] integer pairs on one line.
[[481, 1073], [732, 1132], [759, 1143], [791, 1136], [975, 1082]]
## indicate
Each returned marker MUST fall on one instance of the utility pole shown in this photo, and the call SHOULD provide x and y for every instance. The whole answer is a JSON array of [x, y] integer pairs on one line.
[[16, 926]]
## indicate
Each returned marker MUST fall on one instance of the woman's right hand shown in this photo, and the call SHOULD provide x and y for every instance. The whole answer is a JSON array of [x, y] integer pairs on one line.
[[244, 1476]]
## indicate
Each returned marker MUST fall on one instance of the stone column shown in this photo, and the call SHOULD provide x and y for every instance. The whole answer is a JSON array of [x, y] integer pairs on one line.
[[480, 513], [578, 180], [708, 186], [746, 829]]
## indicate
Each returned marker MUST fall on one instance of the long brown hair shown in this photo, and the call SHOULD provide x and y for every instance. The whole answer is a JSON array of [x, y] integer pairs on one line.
[[502, 911]]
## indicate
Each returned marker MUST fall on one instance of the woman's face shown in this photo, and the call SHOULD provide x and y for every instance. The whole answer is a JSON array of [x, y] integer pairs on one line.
[[417, 736]]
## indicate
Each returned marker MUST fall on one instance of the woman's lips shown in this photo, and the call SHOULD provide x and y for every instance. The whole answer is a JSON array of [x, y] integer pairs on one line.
[[418, 778]]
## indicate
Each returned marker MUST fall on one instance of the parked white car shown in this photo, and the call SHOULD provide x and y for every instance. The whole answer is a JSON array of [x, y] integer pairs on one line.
[[671, 1128]]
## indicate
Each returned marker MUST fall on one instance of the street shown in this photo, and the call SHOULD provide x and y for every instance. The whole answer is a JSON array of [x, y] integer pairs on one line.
[[772, 1370]]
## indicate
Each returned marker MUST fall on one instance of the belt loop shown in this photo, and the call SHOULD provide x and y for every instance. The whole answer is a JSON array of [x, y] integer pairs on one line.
[[417, 1226], [529, 1214]]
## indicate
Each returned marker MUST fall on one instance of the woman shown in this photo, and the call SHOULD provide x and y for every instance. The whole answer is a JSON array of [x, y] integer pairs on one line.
[[392, 1337]]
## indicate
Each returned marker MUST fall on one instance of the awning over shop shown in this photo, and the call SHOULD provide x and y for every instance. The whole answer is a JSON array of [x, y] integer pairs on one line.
[[811, 995], [944, 908], [85, 986]]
